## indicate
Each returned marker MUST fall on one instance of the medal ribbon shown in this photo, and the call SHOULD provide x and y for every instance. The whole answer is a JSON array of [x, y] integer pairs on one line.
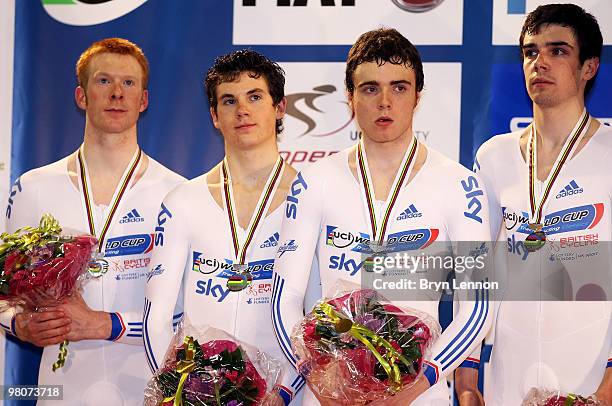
[[119, 192], [260, 209], [378, 230], [570, 144]]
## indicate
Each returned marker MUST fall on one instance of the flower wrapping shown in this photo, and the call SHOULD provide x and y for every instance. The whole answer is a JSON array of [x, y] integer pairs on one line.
[[546, 397], [212, 368], [358, 347], [39, 266]]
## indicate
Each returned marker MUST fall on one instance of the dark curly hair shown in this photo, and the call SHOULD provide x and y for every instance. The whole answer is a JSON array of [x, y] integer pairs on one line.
[[583, 25], [380, 46], [227, 68]]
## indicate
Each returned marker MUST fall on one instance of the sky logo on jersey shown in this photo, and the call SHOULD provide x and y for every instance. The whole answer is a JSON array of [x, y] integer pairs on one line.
[[412, 239], [573, 219], [517, 247], [210, 288], [297, 187], [570, 189], [409, 213], [260, 270], [343, 264], [473, 193], [132, 217], [290, 246], [208, 265], [16, 188], [129, 245], [162, 217], [272, 241], [344, 239]]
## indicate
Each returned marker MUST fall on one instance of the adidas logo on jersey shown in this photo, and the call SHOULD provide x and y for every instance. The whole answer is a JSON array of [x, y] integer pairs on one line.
[[132, 217], [409, 213], [571, 188], [272, 241]]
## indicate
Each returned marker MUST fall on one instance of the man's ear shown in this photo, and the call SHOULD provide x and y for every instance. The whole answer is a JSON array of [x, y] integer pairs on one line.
[[281, 108], [80, 97], [144, 100], [349, 98], [214, 117], [589, 68], [417, 100]]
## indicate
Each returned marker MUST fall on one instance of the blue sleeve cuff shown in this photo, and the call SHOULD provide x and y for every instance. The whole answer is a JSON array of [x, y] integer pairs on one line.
[[470, 363], [118, 327], [431, 373], [285, 394], [609, 363]]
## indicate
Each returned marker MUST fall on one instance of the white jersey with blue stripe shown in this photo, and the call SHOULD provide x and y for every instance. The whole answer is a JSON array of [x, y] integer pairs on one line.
[[109, 371], [324, 218], [194, 253], [559, 345]]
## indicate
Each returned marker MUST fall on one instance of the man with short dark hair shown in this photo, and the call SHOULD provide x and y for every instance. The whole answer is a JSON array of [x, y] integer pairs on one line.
[[391, 188], [218, 233], [108, 188], [537, 178]]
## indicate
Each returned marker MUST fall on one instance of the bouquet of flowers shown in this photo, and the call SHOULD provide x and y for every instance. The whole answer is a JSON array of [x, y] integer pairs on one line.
[[545, 397], [39, 267], [214, 370], [358, 347]]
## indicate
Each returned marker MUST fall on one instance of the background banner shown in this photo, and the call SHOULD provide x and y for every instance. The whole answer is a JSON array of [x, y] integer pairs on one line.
[[474, 86]]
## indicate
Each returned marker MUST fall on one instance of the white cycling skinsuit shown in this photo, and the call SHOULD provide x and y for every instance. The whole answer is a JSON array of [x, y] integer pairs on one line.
[[194, 252], [111, 371], [560, 345], [325, 217]]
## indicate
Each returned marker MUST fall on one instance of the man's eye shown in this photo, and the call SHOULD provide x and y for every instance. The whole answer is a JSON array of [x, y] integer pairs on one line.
[[228, 102], [530, 53], [255, 97], [400, 88], [103, 81], [129, 82], [558, 51], [370, 89]]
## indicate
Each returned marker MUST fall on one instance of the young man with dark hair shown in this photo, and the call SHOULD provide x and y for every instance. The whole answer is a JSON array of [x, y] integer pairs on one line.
[[98, 190], [536, 178], [366, 190], [218, 233]]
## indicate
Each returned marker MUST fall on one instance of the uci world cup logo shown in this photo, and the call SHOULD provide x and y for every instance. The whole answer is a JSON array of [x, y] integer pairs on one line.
[[417, 6]]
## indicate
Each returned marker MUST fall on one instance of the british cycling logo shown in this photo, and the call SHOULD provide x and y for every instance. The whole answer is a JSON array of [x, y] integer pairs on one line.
[[205, 265], [89, 12]]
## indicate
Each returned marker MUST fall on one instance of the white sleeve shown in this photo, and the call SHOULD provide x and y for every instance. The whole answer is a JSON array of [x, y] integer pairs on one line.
[[468, 226], [164, 279], [299, 235], [22, 210], [484, 170]]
